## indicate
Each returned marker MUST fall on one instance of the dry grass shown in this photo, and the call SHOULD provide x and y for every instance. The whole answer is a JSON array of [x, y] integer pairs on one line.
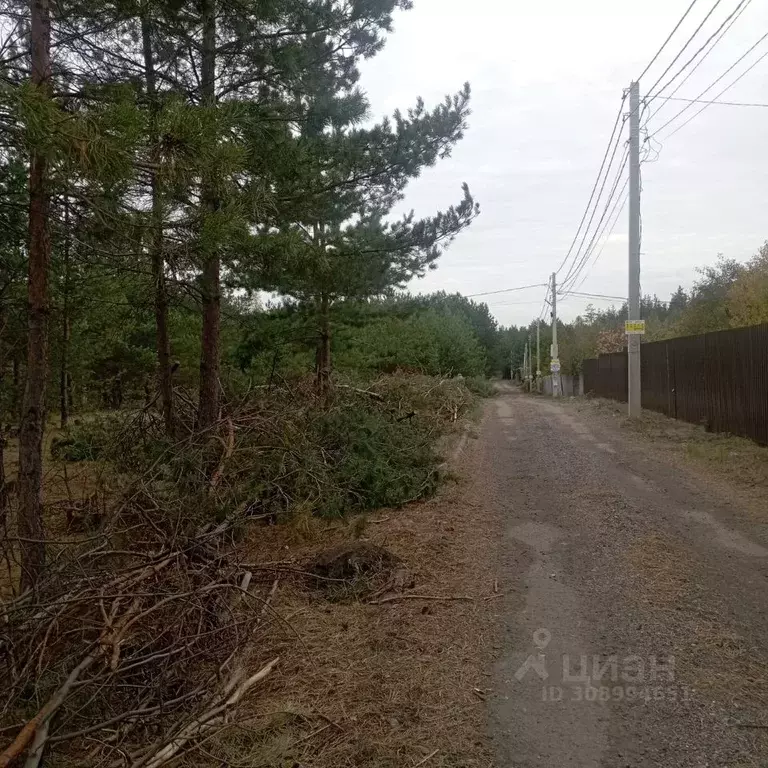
[[661, 576], [379, 686], [710, 656], [719, 458]]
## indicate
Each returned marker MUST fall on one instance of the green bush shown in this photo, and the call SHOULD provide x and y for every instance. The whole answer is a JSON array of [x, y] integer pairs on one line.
[[480, 386], [87, 441], [375, 460]]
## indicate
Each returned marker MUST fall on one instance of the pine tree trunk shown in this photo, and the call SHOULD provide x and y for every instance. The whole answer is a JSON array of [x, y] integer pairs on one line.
[[208, 406], [64, 367], [3, 489], [30, 522], [324, 348], [162, 335]]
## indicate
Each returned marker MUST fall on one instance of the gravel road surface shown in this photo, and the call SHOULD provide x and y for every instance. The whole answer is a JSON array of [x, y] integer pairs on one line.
[[636, 599]]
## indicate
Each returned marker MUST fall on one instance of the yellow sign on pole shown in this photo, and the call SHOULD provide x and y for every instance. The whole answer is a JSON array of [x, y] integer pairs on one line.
[[634, 326]]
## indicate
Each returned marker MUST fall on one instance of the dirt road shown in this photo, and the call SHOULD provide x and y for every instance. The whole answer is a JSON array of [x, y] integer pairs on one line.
[[636, 609]]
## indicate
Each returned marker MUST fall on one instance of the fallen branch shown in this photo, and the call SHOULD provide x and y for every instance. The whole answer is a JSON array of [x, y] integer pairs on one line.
[[428, 757], [393, 598], [29, 731], [229, 448], [210, 719], [368, 392]]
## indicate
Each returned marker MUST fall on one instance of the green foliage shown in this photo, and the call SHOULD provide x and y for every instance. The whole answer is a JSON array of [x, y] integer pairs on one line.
[[390, 344], [428, 335], [86, 441], [289, 456], [480, 386], [374, 460]]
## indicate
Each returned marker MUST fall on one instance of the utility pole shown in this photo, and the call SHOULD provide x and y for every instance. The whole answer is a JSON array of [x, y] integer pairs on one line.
[[554, 366], [530, 362], [525, 366], [538, 355], [633, 326]]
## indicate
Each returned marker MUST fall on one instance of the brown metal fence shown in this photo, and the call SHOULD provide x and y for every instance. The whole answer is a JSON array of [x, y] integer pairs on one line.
[[717, 379]]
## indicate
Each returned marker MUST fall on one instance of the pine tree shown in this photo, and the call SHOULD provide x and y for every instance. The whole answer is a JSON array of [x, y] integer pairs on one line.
[[31, 535], [339, 240]]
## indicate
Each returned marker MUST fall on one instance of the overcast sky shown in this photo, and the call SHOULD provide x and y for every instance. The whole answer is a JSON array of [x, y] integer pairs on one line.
[[547, 78]]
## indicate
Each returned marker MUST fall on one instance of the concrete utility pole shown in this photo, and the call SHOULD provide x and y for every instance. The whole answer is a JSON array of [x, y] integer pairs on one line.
[[530, 362], [538, 355], [525, 365], [633, 333], [554, 366]]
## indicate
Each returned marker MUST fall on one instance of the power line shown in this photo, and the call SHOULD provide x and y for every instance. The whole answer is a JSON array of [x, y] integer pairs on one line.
[[664, 44], [544, 305], [505, 290], [595, 295], [695, 55], [714, 83], [720, 103], [727, 88], [509, 303], [688, 42], [597, 181], [701, 60], [576, 269], [613, 219], [617, 210]]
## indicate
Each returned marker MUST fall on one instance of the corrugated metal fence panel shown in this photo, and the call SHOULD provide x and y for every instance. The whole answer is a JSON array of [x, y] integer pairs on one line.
[[716, 379], [691, 385], [655, 377]]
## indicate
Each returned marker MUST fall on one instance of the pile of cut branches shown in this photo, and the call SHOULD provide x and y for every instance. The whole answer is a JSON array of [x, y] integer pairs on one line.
[[126, 655], [146, 631]]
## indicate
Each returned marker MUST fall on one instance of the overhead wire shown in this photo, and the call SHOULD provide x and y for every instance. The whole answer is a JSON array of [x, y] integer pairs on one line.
[[597, 296], [578, 256], [714, 83], [687, 43], [737, 14], [725, 90], [613, 220], [612, 143], [505, 290], [576, 269], [544, 305], [669, 37], [614, 205], [718, 103]]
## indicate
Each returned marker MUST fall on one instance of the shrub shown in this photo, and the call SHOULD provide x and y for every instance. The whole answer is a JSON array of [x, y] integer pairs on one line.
[[480, 386], [374, 460], [87, 441]]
